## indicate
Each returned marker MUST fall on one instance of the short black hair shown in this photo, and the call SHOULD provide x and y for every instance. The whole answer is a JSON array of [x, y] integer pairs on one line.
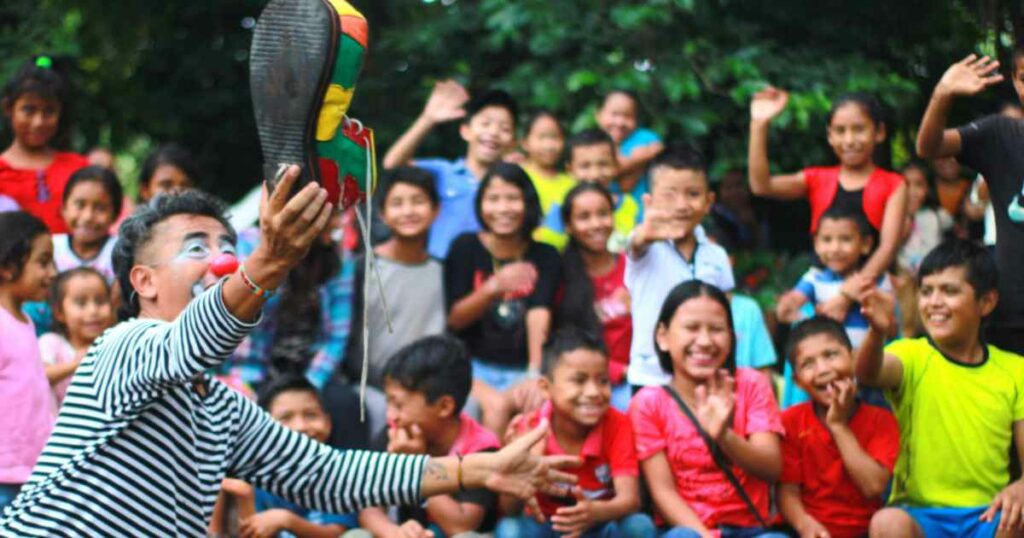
[[435, 366], [536, 115], [587, 138], [982, 273], [409, 175], [492, 97], [20, 229], [814, 326], [679, 157], [868, 104], [59, 289], [286, 383], [137, 230], [46, 77], [566, 340], [514, 174], [105, 177], [174, 155], [680, 294], [624, 92], [838, 212]]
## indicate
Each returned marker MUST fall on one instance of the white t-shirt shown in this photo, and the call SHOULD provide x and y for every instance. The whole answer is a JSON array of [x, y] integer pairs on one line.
[[649, 279], [66, 259]]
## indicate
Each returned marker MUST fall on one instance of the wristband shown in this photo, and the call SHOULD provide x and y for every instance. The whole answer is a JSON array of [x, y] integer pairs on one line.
[[462, 487], [253, 286]]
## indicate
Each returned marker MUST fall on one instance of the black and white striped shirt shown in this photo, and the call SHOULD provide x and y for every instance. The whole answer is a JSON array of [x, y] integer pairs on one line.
[[138, 451]]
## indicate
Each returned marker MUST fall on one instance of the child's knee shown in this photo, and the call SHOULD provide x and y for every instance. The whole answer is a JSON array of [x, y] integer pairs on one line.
[[638, 525], [893, 523]]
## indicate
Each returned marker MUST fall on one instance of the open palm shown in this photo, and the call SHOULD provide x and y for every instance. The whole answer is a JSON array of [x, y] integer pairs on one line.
[[716, 402], [447, 102], [521, 472], [971, 75], [768, 103]]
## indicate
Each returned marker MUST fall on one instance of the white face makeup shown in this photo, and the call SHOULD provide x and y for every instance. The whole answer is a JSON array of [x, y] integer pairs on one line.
[[196, 247]]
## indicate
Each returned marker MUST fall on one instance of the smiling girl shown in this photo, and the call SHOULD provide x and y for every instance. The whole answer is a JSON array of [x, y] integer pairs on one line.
[[91, 202]]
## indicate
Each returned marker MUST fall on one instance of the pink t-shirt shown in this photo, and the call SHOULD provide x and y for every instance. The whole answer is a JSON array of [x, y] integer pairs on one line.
[[659, 425], [25, 393], [54, 349]]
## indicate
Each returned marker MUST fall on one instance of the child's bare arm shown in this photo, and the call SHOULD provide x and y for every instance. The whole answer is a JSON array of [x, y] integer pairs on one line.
[[455, 517], [891, 234], [636, 162], [788, 306], [671, 506], [792, 509], [576, 519], [445, 103], [766, 106], [870, 476], [376, 522], [874, 367], [271, 522], [759, 455], [659, 224], [969, 76], [1010, 501]]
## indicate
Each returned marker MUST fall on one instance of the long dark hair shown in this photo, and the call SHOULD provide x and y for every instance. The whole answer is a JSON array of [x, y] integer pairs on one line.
[[692, 289], [577, 307], [514, 175], [46, 77]]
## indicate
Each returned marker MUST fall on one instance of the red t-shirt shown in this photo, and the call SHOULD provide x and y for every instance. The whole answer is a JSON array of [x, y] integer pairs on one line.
[[607, 452], [40, 192], [823, 183], [612, 303], [811, 459]]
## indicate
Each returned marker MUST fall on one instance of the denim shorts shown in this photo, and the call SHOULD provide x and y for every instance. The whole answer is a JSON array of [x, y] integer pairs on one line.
[[497, 376]]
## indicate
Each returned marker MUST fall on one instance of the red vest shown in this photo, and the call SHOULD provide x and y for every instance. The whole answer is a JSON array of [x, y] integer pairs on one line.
[[823, 182]]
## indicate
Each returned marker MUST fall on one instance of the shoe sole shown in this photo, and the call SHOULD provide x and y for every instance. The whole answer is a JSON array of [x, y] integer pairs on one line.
[[293, 51]]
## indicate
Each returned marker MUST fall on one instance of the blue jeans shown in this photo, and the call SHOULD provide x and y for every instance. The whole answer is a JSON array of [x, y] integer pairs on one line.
[[632, 526], [953, 522], [497, 376], [7, 494], [727, 532]]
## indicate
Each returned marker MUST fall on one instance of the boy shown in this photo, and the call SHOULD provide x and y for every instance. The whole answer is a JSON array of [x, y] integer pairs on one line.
[[958, 402], [838, 453], [427, 383], [636, 147], [592, 158], [294, 403], [575, 381], [666, 249], [488, 127], [986, 146], [409, 277]]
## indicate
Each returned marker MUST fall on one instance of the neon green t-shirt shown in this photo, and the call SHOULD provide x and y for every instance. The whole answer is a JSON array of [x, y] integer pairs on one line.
[[956, 424]]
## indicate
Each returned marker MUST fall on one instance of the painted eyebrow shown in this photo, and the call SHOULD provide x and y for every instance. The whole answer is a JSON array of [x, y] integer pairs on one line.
[[196, 235]]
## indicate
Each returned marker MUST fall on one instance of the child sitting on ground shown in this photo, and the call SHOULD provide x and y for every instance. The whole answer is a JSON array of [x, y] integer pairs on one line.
[[427, 383], [295, 403], [838, 453], [635, 146], [92, 201], [575, 382], [959, 403], [82, 310], [666, 249]]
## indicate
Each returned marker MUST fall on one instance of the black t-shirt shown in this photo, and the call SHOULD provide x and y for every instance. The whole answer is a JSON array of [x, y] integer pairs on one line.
[[499, 336], [481, 497], [994, 146]]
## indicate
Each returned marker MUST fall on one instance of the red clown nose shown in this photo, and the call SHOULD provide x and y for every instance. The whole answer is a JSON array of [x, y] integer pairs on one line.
[[224, 265]]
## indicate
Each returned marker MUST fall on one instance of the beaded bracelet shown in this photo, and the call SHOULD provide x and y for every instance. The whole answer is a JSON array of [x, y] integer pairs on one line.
[[253, 286]]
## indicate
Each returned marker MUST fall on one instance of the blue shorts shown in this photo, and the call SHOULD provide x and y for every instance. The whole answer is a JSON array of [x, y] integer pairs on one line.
[[497, 376], [952, 522]]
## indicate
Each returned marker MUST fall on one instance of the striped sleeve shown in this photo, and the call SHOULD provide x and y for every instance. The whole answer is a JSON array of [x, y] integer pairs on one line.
[[316, 476], [137, 359]]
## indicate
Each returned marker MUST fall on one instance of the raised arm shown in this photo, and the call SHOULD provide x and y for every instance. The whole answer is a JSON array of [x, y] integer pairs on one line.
[[766, 105], [445, 103], [870, 476], [891, 234], [967, 77], [874, 367]]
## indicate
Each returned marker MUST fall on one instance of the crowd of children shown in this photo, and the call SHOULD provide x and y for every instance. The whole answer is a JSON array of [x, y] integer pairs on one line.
[[585, 279]]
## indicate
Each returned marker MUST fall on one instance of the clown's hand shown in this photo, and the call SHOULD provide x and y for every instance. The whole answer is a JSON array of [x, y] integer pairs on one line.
[[288, 226]]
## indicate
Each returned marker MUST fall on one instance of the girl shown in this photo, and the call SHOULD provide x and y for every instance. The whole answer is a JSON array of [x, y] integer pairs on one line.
[[855, 129], [32, 171], [595, 297], [26, 271], [712, 416], [636, 146], [82, 310], [92, 200], [929, 223], [499, 288], [544, 143], [169, 168]]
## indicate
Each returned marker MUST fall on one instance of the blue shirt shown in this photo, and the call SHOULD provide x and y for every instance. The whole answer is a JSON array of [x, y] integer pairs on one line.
[[268, 501], [456, 186], [754, 348], [637, 139]]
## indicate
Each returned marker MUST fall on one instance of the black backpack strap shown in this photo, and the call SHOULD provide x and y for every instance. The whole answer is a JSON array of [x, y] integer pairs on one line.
[[716, 454]]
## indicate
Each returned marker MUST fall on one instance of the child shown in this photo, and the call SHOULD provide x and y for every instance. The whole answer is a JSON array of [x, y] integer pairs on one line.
[[410, 278], [980, 145], [576, 385], [92, 201], [543, 144], [32, 171], [959, 403], [929, 224], [82, 310], [500, 287], [838, 453], [169, 168], [855, 129], [295, 403], [488, 127], [26, 271], [427, 383], [951, 188], [594, 295], [666, 249], [710, 419], [636, 147], [592, 159]]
